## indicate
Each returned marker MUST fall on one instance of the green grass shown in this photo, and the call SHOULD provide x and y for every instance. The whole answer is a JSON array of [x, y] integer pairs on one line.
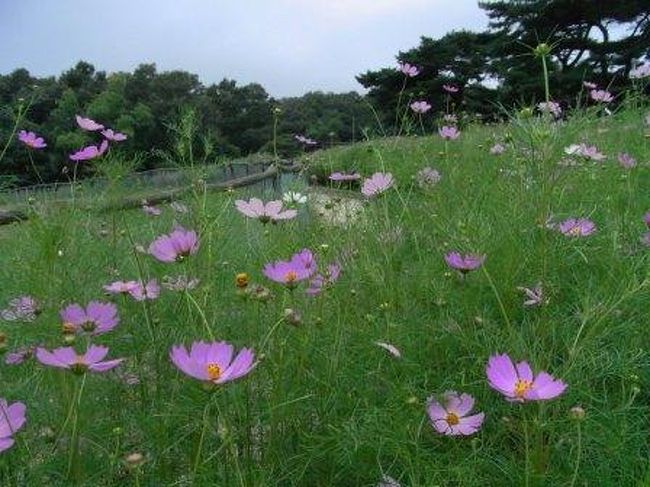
[[325, 406]]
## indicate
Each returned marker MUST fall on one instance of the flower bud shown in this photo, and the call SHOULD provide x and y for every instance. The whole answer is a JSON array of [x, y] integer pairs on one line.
[[292, 317], [577, 413]]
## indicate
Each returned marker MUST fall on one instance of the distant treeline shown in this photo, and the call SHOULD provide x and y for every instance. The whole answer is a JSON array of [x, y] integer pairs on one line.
[[598, 41]]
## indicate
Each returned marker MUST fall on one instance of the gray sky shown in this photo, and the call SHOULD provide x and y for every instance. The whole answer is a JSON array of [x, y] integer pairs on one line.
[[289, 46]]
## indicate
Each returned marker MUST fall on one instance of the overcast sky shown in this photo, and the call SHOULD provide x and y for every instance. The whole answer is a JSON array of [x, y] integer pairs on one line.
[[289, 46]]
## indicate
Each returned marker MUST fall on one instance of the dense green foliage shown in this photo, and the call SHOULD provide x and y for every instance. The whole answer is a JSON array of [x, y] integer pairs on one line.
[[151, 106], [597, 41]]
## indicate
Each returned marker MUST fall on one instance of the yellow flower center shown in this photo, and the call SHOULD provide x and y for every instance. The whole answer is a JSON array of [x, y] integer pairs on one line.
[[452, 419], [290, 277], [68, 328], [576, 231], [241, 280], [522, 387], [213, 371]]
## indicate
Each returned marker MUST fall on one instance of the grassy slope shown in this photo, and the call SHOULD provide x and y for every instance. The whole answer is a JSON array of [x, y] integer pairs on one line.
[[325, 406]]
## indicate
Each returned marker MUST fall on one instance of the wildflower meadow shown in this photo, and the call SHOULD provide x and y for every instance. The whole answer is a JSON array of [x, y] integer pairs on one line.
[[462, 305]]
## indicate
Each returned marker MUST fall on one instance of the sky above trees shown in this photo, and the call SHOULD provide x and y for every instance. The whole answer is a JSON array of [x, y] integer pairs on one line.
[[289, 46]]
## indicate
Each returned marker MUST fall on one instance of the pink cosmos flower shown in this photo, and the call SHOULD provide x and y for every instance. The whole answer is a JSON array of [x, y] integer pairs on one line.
[[408, 69], [179, 283], [646, 219], [377, 184], [390, 348], [464, 263], [640, 72], [301, 266], [31, 140], [427, 177], [497, 149], [141, 292], [551, 107], [18, 356], [67, 358], [213, 362], [343, 176], [449, 133], [326, 279], [114, 136], [88, 124], [534, 296], [96, 319], [626, 160], [90, 152], [576, 227], [517, 382], [12, 418], [151, 210], [269, 212], [23, 308], [176, 246], [589, 85], [450, 89], [120, 287], [451, 418], [601, 96], [420, 107]]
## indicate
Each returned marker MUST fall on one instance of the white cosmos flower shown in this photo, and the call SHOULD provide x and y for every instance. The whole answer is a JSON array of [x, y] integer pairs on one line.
[[292, 197]]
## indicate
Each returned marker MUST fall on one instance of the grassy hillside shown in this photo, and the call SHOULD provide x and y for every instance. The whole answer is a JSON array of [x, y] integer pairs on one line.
[[325, 405]]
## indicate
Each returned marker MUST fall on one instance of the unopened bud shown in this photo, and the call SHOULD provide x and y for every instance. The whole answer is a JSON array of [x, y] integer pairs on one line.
[[577, 413]]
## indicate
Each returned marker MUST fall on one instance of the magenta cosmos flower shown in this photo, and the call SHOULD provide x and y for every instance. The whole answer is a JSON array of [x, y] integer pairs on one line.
[[323, 280], [517, 382], [577, 227], [109, 134], [626, 160], [31, 140], [96, 319], [175, 246], [601, 96], [90, 152], [120, 287], [451, 418], [88, 124], [408, 69], [269, 212], [67, 358], [343, 176], [464, 263], [420, 106], [377, 184], [141, 292], [12, 418], [213, 362], [451, 89], [449, 133], [301, 266]]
